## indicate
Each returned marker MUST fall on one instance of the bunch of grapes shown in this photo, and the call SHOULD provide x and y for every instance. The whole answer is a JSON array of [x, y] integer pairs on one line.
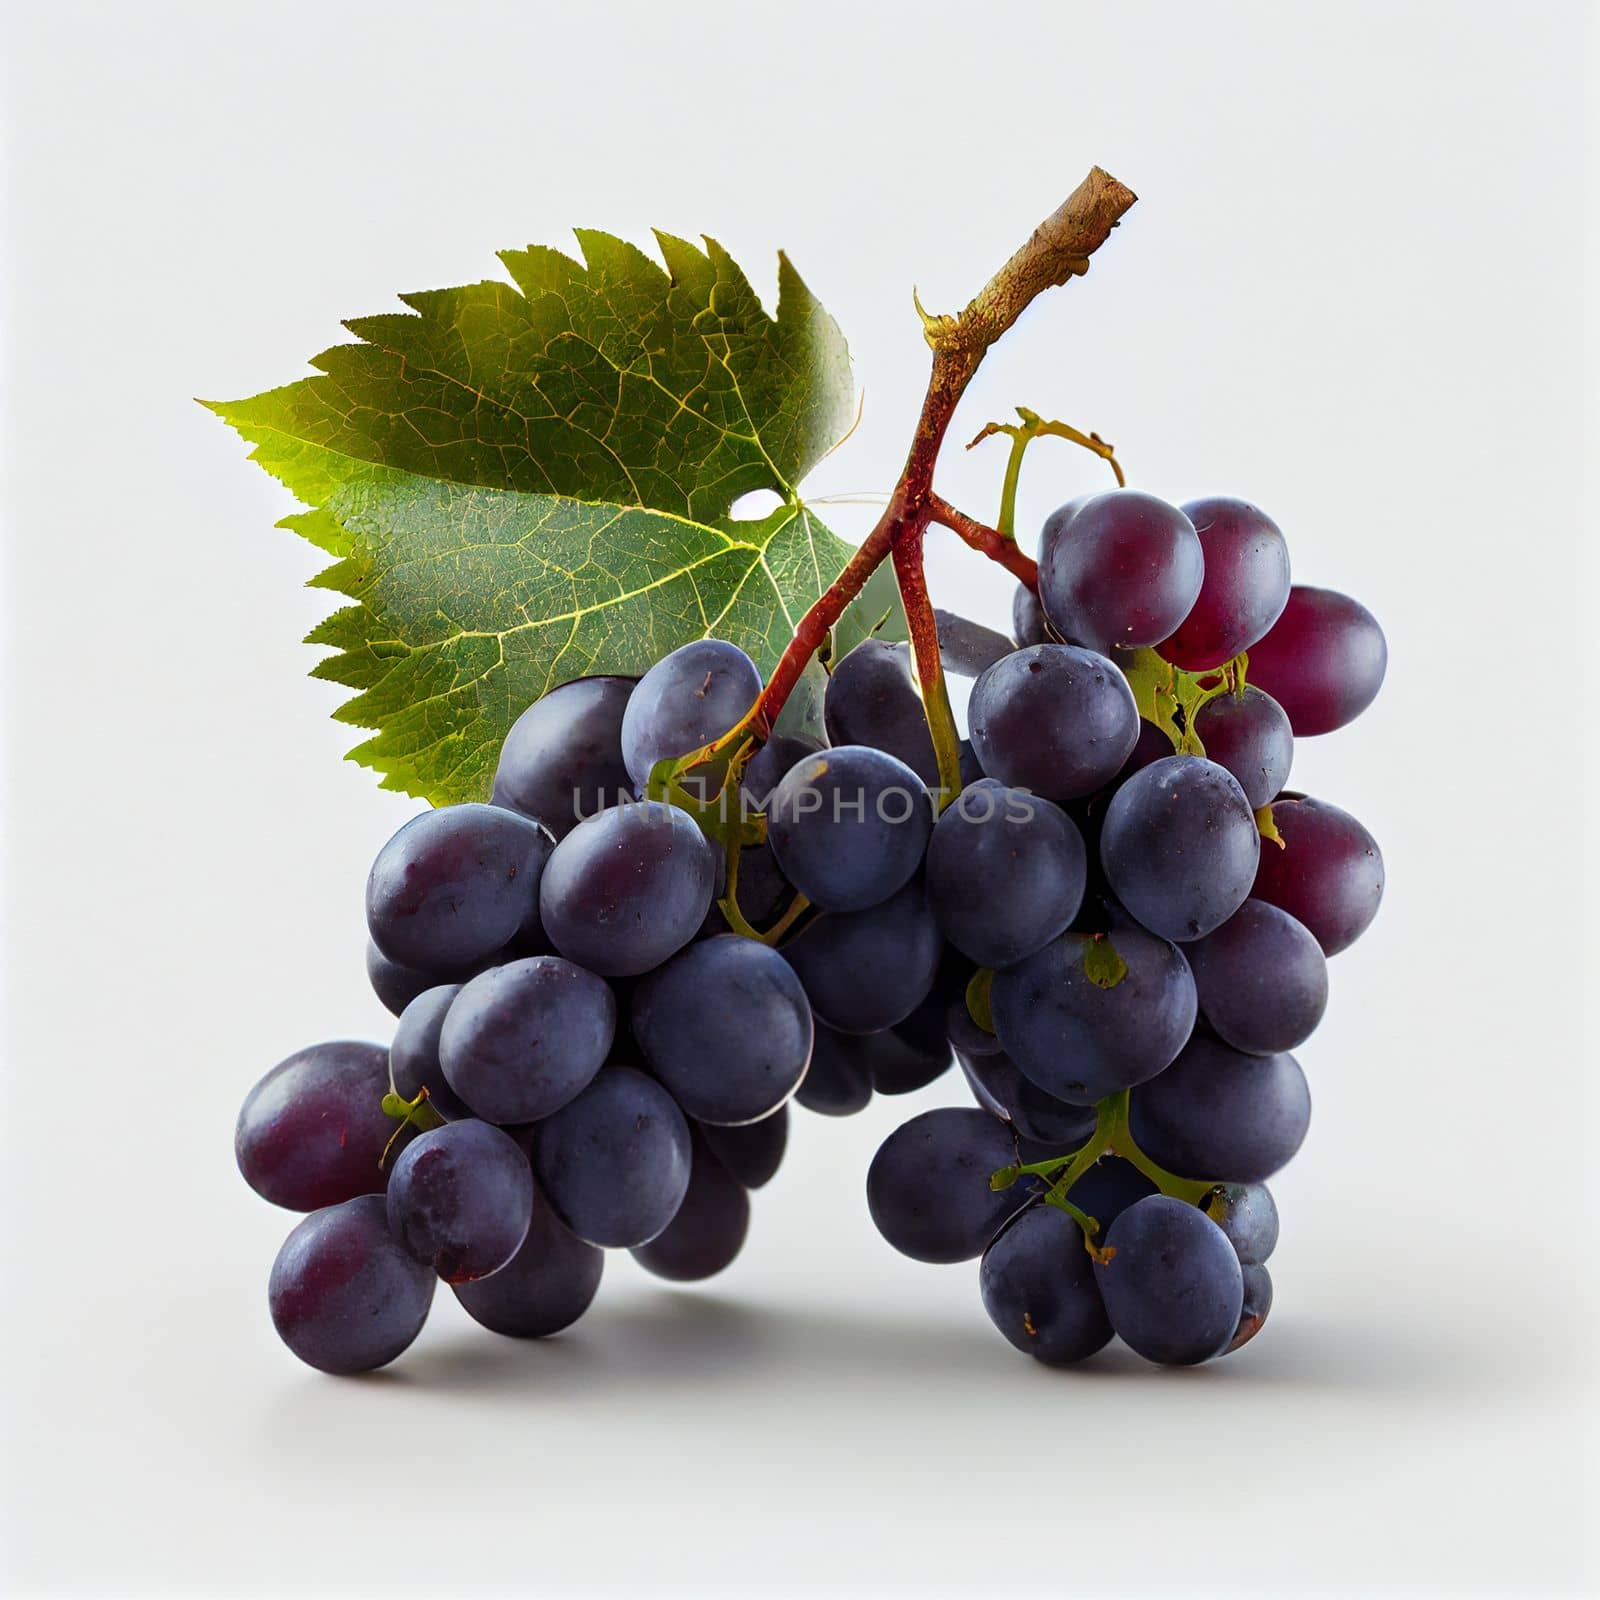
[[609, 985], [1152, 940]]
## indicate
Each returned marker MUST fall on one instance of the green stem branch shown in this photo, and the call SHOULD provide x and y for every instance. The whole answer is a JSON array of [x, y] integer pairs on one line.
[[1022, 434], [1111, 1136], [1121, 1142]]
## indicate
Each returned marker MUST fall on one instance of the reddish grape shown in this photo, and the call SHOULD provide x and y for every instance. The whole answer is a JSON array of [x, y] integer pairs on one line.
[[1122, 569], [1328, 873], [1323, 660], [1246, 583], [313, 1132]]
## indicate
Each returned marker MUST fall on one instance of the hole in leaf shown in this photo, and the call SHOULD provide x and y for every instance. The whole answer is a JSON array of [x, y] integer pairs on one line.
[[754, 506]]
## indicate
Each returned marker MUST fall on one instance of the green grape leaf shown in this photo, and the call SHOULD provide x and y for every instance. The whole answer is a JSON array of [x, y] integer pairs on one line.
[[522, 483]]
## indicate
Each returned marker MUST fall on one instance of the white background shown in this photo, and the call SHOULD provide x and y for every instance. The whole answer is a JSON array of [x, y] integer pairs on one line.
[[1357, 289]]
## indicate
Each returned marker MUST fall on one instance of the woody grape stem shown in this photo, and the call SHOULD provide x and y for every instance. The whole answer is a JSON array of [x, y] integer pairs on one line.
[[1056, 251]]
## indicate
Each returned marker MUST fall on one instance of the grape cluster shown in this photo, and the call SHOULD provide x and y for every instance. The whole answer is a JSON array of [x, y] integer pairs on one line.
[[607, 991], [585, 1057], [1152, 935]]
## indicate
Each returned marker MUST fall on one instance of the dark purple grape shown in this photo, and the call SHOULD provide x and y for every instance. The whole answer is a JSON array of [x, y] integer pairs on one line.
[[626, 889], [1218, 1114], [913, 1053], [839, 1081], [545, 1287], [899, 1068], [1249, 735], [1323, 660], [562, 759], [1262, 979], [764, 894], [1080, 1041], [726, 1027], [1246, 583], [846, 1068], [461, 1198], [1054, 719], [751, 1153], [414, 1055], [615, 1161], [1179, 846], [928, 1185], [872, 699], [345, 1297], [1120, 569], [1257, 1303], [1037, 1283], [455, 885], [1028, 622], [313, 1132], [964, 1034], [1153, 745], [971, 769], [1006, 873], [709, 1228], [867, 970], [1327, 873], [395, 986], [522, 1040], [765, 769], [924, 1031], [1107, 1189], [1247, 1213], [688, 699], [1002, 1091], [848, 826], [1172, 1286], [968, 648]]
